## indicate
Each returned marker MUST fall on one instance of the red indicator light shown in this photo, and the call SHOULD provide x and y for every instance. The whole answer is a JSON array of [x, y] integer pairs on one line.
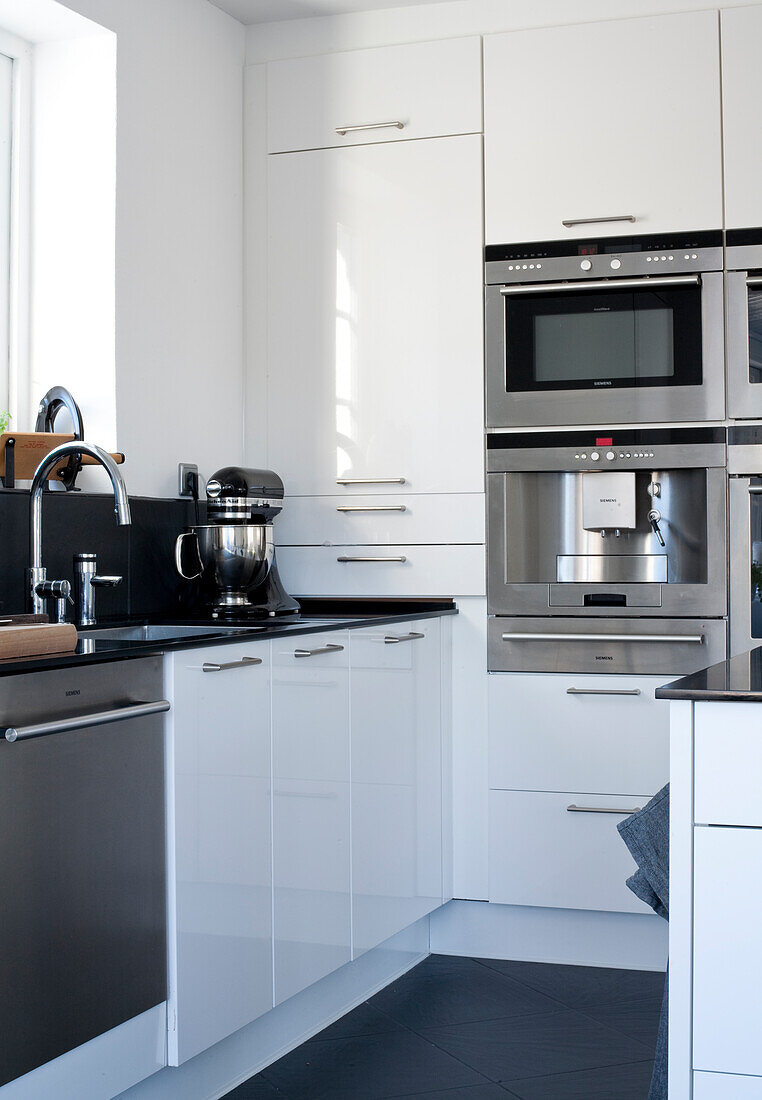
[[604, 441]]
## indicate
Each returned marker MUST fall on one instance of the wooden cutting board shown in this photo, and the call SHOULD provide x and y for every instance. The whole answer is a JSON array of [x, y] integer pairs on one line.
[[31, 448], [37, 640]]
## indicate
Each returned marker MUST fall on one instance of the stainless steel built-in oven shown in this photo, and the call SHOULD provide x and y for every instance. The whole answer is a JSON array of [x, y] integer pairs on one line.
[[614, 330], [745, 497], [743, 283], [607, 549]]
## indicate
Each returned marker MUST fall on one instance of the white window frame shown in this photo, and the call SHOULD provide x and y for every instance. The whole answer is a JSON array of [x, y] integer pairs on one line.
[[20, 53]]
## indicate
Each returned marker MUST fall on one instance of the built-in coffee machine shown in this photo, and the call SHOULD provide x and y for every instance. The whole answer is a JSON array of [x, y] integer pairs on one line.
[[232, 555], [590, 530]]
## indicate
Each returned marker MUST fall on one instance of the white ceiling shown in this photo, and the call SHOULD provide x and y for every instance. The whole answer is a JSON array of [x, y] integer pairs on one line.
[[271, 11]]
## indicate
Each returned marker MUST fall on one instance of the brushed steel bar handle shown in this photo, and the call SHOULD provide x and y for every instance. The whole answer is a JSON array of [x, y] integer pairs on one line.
[[370, 481], [693, 638], [754, 280], [393, 639], [602, 810], [569, 222], [209, 666], [346, 558], [655, 281], [603, 691], [330, 648], [755, 490], [371, 508], [341, 130], [85, 721]]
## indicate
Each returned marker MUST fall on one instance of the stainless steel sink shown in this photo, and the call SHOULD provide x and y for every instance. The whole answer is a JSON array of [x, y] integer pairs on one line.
[[158, 632]]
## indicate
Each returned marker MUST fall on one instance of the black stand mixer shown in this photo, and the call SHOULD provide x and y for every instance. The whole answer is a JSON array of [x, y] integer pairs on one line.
[[234, 551]]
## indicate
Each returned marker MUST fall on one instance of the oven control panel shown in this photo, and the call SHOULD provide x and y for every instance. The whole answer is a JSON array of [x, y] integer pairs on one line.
[[635, 449]]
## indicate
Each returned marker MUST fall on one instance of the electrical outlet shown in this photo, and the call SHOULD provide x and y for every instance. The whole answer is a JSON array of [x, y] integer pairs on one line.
[[187, 479]]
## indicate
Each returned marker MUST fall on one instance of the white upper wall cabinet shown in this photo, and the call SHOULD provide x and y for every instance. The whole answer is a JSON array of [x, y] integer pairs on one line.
[[375, 318], [427, 89], [741, 38], [600, 121]]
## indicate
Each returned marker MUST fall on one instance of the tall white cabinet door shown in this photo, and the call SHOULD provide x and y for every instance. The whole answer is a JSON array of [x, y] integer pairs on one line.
[[311, 813], [741, 35], [396, 778], [600, 121], [375, 327], [220, 936]]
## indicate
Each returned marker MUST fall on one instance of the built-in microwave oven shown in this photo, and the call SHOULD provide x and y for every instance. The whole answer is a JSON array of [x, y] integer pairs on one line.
[[743, 284], [615, 330]]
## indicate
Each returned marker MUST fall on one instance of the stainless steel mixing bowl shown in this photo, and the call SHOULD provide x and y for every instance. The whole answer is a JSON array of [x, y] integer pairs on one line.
[[232, 559]]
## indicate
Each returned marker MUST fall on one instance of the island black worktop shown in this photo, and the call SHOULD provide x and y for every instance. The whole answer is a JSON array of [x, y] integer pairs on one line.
[[318, 615], [739, 679]]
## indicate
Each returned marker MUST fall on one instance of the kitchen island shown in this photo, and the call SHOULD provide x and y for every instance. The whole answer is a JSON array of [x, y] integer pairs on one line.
[[715, 946]]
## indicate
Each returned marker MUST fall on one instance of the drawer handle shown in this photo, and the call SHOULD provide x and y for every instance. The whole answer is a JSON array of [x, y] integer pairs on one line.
[[570, 222], [341, 130], [330, 648], [371, 508], [603, 691], [695, 638], [601, 810], [370, 481], [393, 639], [209, 666], [346, 558]]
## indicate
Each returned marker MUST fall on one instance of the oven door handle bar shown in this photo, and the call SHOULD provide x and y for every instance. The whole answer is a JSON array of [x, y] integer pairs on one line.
[[85, 721], [644, 281], [696, 639], [754, 280]]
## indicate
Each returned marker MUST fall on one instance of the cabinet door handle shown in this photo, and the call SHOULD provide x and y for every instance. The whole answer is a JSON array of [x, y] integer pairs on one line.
[[601, 810], [346, 558], [603, 691], [569, 222], [393, 639], [209, 666], [371, 508], [341, 130], [370, 481], [330, 648]]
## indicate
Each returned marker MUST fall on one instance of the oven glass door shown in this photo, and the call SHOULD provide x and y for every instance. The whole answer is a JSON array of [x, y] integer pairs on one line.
[[573, 339], [744, 335], [754, 578]]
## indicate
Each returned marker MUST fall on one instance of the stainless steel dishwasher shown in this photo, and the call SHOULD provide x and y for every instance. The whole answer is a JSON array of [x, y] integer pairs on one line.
[[82, 855]]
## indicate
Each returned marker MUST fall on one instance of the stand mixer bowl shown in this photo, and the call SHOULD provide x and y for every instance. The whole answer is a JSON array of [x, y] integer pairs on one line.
[[231, 558]]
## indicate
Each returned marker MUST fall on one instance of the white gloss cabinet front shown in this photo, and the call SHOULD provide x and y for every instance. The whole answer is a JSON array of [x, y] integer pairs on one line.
[[397, 765], [375, 318], [311, 809], [220, 959]]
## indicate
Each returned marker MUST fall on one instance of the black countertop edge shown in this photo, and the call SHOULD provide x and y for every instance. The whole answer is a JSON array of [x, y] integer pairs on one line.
[[346, 614], [736, 680]]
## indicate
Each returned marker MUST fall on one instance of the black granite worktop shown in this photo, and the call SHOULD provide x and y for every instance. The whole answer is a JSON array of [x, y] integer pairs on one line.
[[738, 679], [318, 615]]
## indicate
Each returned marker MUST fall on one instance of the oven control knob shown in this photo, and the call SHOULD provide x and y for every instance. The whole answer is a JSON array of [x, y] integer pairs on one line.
[[586, 265], [615, 264], [594, 456], [610, 456]]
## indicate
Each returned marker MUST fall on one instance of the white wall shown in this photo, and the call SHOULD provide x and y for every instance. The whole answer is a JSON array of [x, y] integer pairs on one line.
[[179, 236]]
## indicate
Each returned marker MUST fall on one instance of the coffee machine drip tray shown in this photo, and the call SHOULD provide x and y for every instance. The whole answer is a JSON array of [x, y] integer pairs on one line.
[[611, 568]]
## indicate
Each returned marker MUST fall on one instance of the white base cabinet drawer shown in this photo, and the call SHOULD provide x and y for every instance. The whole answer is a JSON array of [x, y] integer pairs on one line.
[[728, 764], [540, 853], [408, 519], [430, 88], [727, 949], [600, 734], [383, 570], [725, 1086]]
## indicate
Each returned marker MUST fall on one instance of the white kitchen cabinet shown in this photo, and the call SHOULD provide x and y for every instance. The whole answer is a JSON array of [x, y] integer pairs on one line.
[[726, 793], [311, 808], [397, 720], [220, 959], [605, 120], [602, 734], [727, 949], [741, 34], [383, 570], [724, 1086], [428, 88], [543, 853], [375, 319]]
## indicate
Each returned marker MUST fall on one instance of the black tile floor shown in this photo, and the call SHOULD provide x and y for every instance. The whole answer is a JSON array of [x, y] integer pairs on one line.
[[481, 1029]]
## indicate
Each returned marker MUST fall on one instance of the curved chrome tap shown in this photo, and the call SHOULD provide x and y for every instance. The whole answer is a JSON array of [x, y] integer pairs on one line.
[[36, 574]]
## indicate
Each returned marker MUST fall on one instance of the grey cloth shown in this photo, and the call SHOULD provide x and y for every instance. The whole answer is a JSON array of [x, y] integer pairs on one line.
[[646, 834]]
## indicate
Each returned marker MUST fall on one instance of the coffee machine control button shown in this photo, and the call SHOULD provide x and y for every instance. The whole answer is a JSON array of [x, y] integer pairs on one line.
[[610, 456], [586, 265], [594, 456]]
